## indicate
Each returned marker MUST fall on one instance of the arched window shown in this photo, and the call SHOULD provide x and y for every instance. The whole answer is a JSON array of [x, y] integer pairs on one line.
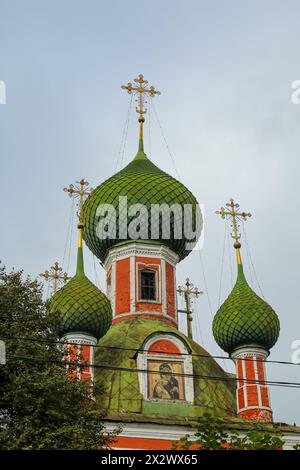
[[168, 364], [148, 284]]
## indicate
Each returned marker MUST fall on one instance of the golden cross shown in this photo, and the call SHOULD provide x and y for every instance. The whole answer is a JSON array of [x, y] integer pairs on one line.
[[55, 275], [79, 190], [141, 91], [235, 216], [188, 291]]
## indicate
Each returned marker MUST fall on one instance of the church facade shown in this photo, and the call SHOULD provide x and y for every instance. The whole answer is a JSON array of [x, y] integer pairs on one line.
[[156, 381]]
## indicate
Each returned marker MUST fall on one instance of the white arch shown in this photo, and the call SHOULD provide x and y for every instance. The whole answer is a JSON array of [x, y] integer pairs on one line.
[[185, 359]]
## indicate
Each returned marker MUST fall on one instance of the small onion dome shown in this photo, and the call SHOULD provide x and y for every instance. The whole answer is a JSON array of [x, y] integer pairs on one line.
[[144, 183], [245, 319], [81, 306]]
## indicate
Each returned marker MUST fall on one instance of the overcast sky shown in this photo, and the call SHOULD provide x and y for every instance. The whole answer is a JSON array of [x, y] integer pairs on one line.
[[225, 71]]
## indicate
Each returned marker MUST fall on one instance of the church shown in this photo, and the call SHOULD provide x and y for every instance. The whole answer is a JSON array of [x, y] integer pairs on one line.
[[156, 381]]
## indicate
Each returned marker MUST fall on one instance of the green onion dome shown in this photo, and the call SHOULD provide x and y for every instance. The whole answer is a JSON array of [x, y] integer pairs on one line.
[[245, 319], [81, 306], [141, 182]]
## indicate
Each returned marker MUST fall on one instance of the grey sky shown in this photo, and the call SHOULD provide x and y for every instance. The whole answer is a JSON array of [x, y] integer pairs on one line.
[[225, 71]]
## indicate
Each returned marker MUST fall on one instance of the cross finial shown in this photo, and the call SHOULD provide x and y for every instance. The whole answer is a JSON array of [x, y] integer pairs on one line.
[[79, 190], [56, 276], [188, 291], [233, 214], [141, 91]]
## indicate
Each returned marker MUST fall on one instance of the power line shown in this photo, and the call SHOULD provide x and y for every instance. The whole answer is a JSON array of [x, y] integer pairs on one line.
[[229, 253], [222, 266], [137, 350], [68, 232], [147, 371], [124, 137], [208, 299], [165, 140], [251, 261]]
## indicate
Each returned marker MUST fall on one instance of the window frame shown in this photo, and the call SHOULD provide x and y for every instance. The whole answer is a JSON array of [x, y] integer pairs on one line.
[[149, 270], [156, 269]]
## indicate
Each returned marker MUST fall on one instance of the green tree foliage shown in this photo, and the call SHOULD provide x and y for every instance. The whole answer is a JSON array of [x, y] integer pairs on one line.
[[214, 434], [40, 406]]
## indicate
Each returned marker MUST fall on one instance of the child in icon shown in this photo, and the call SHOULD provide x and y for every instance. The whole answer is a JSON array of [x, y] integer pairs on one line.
[[166, 387]]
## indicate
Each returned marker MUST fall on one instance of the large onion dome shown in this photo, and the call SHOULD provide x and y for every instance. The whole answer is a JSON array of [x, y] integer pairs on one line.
[[81, 306], [245, 319], [141, 182]]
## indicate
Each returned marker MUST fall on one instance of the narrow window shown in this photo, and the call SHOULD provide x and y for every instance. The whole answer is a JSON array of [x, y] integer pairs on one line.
[[147, 284]]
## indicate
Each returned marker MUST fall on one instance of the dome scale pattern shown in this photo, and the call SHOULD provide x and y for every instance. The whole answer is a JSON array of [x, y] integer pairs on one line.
[[81, 306], [245, 319], [141, 182]]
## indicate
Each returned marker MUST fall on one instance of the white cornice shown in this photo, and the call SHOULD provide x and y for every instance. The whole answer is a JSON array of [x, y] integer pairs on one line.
[[250, 351], [141, 250], [174, 432], [79, 338]]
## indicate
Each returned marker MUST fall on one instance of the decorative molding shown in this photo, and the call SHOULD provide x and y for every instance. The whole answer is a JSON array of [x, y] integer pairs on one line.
[[132, 284], [243, 384], [258, 410], [113, 289], [163, 286], [251, 351], [79, 338], [186, 360], [175, 297], [254, 407], [140, 250], [175, 432], [154, 267]]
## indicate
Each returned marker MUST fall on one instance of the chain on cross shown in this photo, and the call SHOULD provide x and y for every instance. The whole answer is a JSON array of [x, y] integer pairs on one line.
[[188, 292], [56, 276]]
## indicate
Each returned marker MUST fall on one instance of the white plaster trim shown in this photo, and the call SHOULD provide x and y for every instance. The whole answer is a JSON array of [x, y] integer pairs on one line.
[[140, 250], [255, 407], [163, 286], [268, 388], [244, 384], [150, 431], [258, 386], [175, 432], [78, 360], [132, 284], [186, 360], [290, 441], [243, 353], [80, 338], [113, 288], [175, 296]]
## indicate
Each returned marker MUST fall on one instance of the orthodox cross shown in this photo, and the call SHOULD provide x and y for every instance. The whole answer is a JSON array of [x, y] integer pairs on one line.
[[141, 90], [188, 291], [233, 214], [55, 275], [79, 190]]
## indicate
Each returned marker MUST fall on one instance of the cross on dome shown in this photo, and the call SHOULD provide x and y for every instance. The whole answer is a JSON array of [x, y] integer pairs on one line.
[[234, 216], [141, 91], [55, 275]]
